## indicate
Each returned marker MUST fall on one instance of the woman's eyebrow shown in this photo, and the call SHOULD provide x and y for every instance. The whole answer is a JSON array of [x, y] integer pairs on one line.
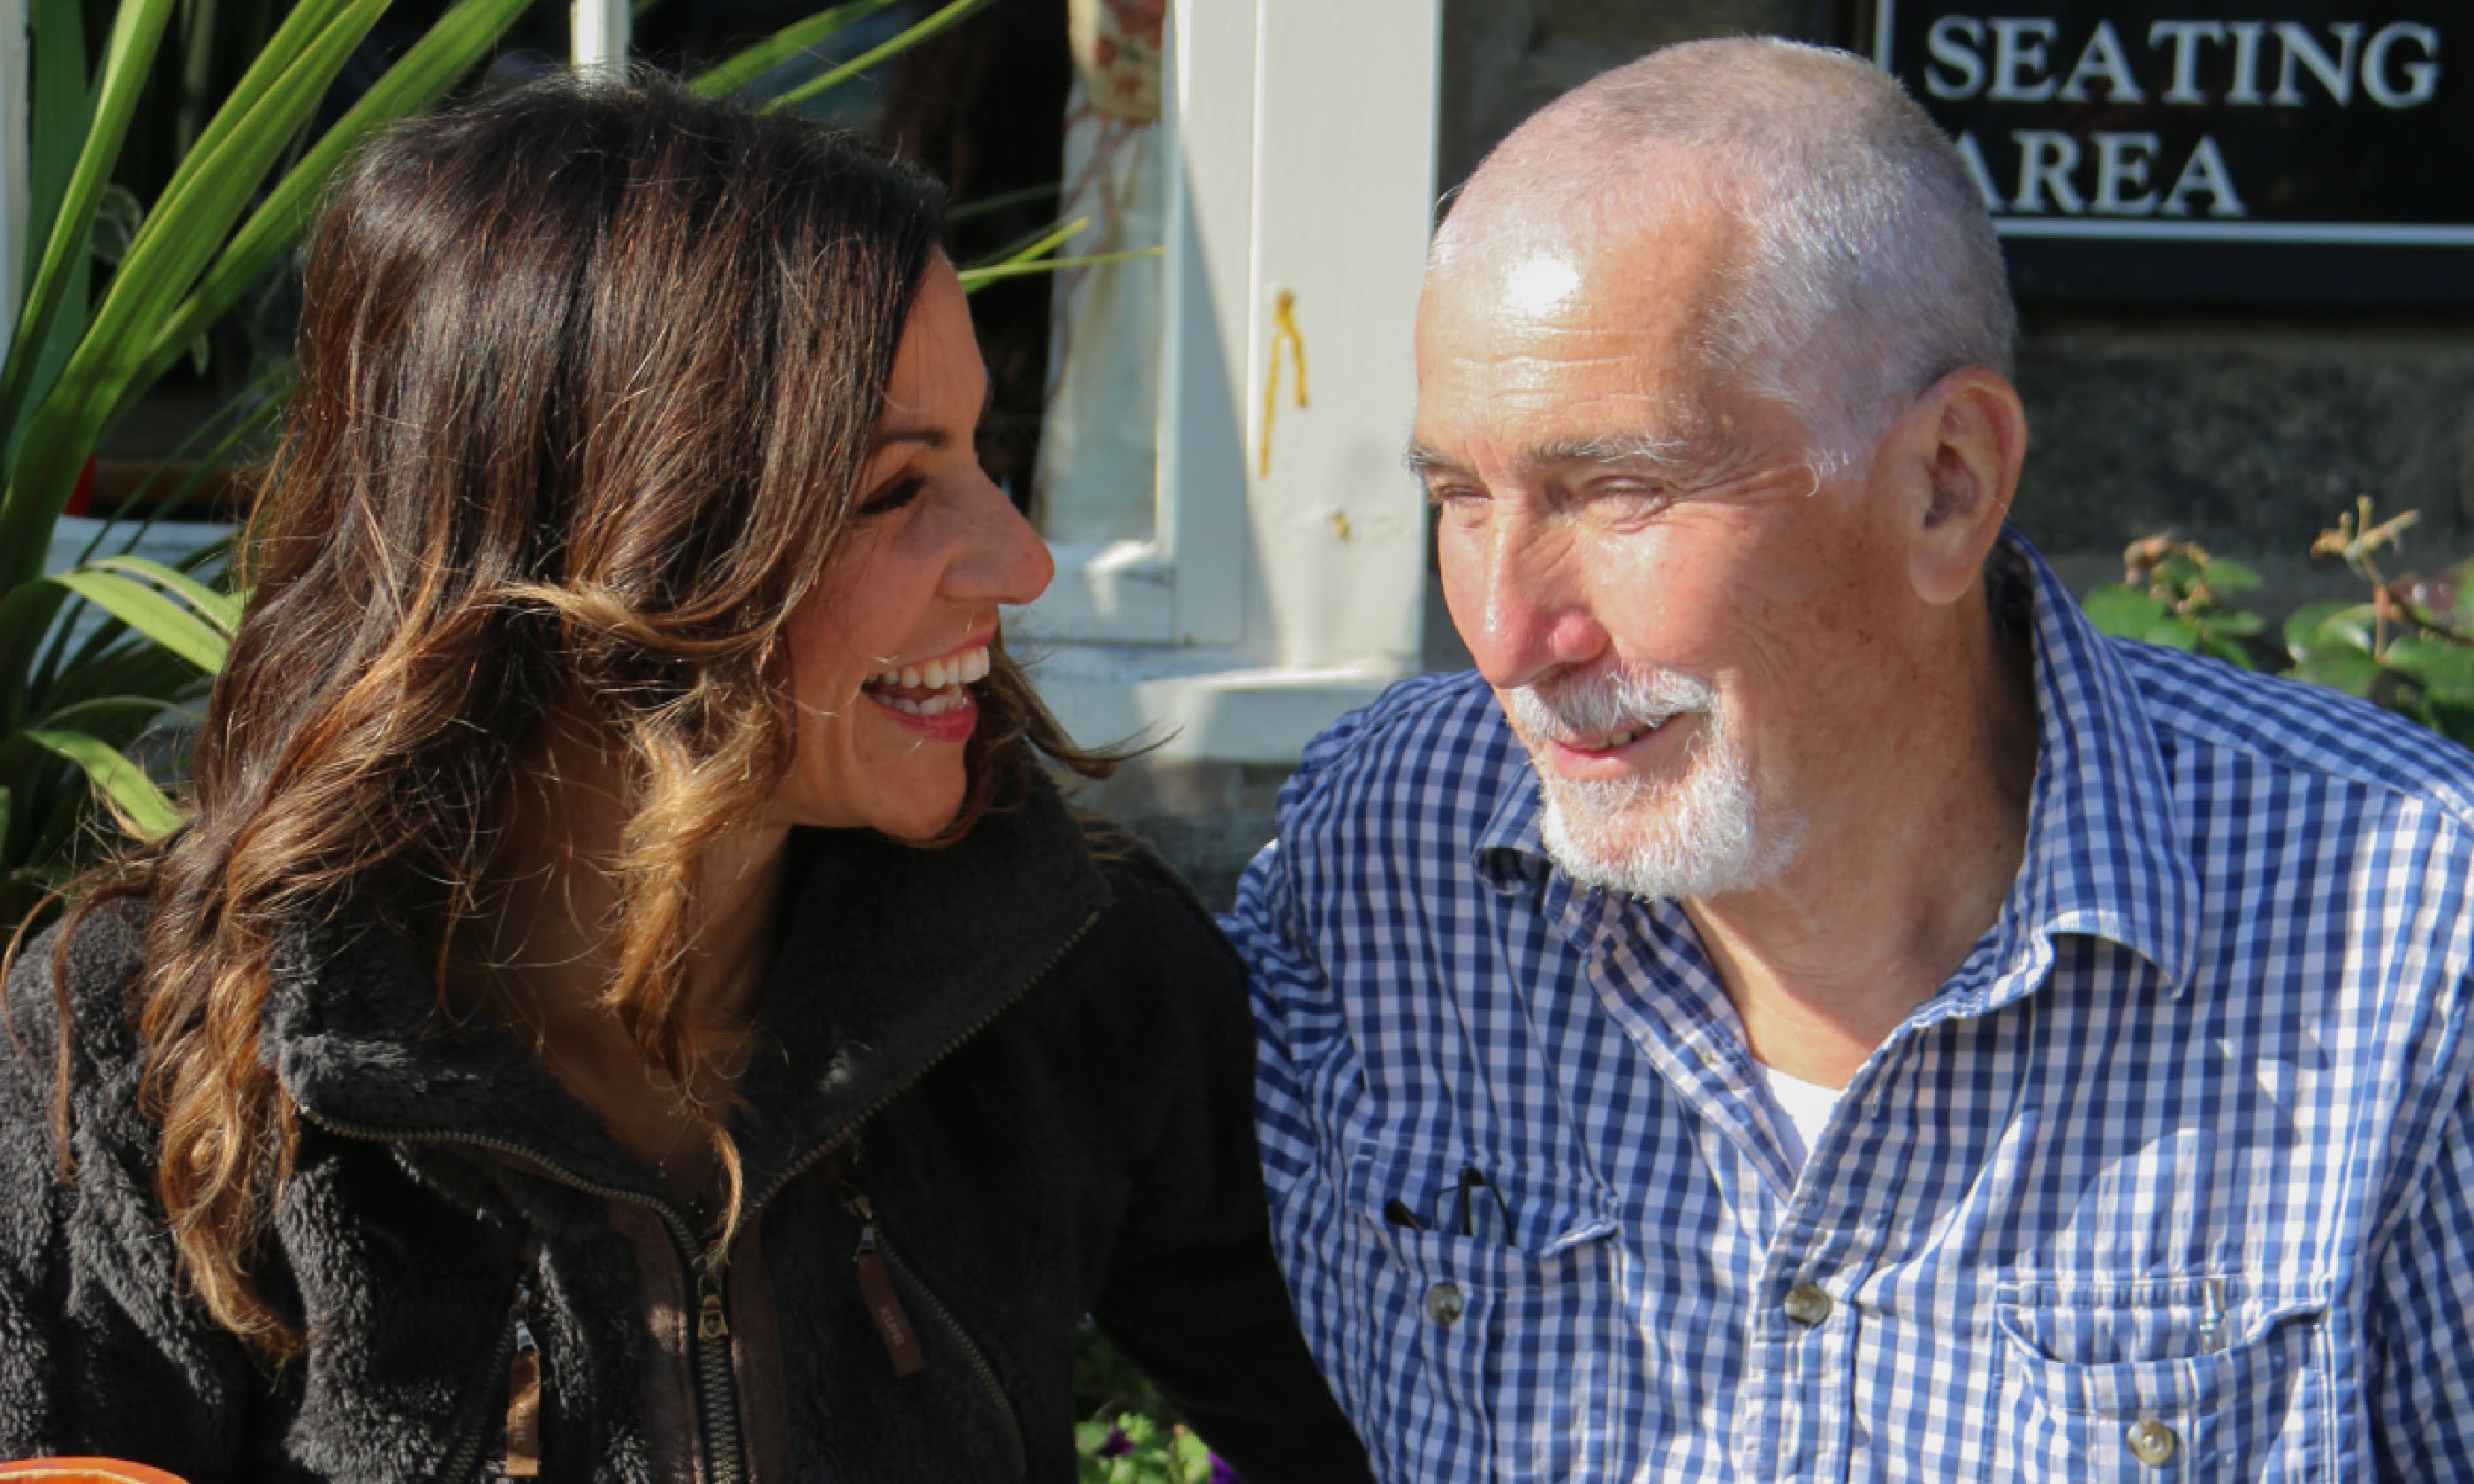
[[933, 437], [931, 434]]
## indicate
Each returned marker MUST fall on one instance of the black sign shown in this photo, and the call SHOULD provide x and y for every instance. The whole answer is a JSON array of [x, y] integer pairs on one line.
[[2281, 150]]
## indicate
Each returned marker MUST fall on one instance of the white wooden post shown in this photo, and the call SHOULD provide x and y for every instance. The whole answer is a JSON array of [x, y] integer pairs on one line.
[[597, 32], [1273, 597], [1344, 199]]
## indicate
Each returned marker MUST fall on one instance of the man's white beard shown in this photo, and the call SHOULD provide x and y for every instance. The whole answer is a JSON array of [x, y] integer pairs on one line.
[[1704, 834]]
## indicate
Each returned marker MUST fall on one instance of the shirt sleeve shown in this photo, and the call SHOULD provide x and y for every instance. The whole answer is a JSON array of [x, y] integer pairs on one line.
[[1292, 1001], [2422, 1327]]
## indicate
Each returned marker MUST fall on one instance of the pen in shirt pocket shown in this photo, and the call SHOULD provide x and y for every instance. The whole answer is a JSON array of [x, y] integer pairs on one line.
[[1471, 1207]]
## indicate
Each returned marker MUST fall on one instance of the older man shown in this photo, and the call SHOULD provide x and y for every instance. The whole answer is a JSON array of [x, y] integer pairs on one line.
[[1809, 1007]]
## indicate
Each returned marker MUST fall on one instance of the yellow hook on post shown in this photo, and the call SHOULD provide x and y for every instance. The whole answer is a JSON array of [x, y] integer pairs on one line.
[[1284, 332]]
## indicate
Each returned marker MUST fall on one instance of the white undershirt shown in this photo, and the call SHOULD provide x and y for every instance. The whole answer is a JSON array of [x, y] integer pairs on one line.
[[1807, 1106]]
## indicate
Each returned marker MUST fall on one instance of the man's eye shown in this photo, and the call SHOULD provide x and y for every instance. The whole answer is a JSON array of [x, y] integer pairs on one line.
[[892, 497], [1631, 501], [1442, 496]]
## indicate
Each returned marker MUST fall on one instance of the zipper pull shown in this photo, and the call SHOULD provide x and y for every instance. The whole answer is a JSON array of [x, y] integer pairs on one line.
[[523, 1393], [876, 1290], [713, 1320]]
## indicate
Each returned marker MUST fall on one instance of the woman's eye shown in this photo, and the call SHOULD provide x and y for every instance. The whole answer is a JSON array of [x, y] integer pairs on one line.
[[892, 497]]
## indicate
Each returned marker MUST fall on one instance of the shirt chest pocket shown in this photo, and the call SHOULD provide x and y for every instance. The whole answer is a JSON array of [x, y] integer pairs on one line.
[[2193, 1379], [1489, 1320]]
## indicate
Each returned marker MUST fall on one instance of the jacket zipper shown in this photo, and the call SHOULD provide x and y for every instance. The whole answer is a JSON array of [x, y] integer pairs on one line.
[[725, 1455], [873, 1259], [464, 1459], [709, 1342], [971, 1352]]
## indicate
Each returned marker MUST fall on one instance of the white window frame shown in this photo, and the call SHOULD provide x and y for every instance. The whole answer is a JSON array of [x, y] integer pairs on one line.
[[1301, 139]]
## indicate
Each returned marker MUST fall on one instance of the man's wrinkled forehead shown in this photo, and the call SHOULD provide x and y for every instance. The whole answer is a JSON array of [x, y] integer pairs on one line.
[[1599, 242], [1526, 302]]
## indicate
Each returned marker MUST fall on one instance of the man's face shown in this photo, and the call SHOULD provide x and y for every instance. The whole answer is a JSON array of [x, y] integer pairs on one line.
[[1680, 618]]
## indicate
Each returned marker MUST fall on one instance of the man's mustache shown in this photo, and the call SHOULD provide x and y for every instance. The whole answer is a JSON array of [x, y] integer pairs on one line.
[[1577, 705]]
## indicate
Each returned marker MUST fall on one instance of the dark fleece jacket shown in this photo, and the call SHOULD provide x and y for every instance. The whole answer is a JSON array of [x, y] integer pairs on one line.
[[1021, 1075]]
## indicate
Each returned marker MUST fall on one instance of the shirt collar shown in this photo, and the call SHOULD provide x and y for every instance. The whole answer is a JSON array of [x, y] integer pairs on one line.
[[2101, 856]]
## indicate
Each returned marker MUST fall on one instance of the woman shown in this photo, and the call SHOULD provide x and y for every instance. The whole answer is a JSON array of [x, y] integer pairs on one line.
[[627, 1003]]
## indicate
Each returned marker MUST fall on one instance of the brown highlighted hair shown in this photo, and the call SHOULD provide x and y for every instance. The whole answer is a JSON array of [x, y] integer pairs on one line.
[[588, 374]]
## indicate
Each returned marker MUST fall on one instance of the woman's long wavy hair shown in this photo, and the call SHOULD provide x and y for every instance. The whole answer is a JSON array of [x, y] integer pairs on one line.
[[588, 374]]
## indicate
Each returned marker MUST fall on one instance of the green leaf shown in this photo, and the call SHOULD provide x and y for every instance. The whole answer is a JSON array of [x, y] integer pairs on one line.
[[1193, 1458], [208, 191], [2173, 633], [2228, 577], [2237, 623], [733, 73], [1036, 243], [150, 613], [952, 14], [2339, 667], [137, 31], [62, 108], [219, 609], [2227, 651], [988, 205], [2310, 626], [2462, 580], [2124, 613], [2445, 669], [447, 51], [117, 217], [976, 278], [140, 805]]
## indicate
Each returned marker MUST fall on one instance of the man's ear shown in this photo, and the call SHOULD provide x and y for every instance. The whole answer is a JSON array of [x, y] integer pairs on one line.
[[1955, 455]]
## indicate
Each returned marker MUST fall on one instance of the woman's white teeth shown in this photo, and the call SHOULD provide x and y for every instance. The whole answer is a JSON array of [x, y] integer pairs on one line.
[[937, 705], [945, 678]]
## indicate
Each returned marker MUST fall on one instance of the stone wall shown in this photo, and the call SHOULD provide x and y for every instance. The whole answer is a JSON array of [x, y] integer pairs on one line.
[[2244, 429]]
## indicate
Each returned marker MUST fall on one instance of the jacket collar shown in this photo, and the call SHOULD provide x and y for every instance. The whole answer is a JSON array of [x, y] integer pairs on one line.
[[2102, 855], [889, 957]]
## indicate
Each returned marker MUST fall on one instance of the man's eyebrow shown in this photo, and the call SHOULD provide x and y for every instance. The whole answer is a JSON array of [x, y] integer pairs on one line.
[[1422, 460], [1659, 450]]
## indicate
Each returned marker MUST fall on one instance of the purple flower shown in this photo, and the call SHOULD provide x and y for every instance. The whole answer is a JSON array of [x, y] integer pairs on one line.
[[1221, 1473], [1118, 1445]]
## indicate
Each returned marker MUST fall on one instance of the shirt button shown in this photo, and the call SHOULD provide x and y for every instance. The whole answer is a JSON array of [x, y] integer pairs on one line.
[[2153, 1442], [1445, 1303], [1807, 1305]]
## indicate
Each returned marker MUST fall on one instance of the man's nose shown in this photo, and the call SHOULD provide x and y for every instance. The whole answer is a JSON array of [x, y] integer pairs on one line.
[[1523, 604], [1002, 559]]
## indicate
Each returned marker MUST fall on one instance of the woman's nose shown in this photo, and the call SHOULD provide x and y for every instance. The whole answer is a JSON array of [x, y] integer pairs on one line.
[[1004, 559]]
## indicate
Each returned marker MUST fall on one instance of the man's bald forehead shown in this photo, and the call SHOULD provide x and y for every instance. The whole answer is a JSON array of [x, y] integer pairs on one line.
[[1859, 262]]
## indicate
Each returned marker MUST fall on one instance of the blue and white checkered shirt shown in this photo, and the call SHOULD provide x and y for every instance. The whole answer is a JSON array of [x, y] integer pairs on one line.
[[2173, 1179]]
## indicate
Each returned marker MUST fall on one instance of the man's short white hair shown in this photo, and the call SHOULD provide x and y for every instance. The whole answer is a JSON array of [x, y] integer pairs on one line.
[[1868, 267]]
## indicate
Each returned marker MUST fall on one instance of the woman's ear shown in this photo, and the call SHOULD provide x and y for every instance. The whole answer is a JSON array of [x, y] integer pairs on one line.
[[1957, 451]]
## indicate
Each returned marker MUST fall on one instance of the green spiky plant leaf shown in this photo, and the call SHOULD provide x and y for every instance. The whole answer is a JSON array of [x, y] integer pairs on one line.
[[93, 659]]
